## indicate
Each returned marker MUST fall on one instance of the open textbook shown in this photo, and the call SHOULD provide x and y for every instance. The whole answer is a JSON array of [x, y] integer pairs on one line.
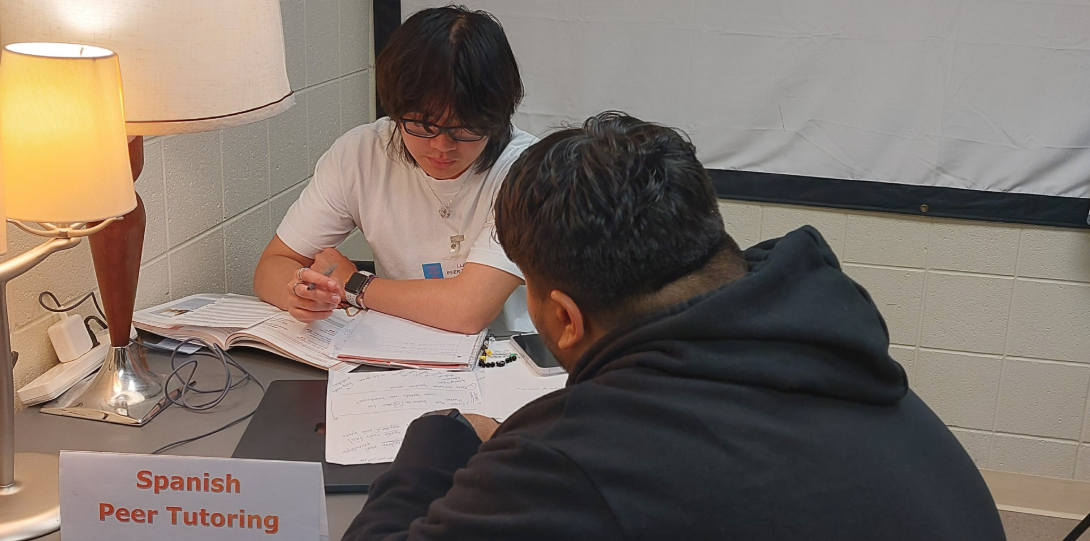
[[237, 320], [336, 343]]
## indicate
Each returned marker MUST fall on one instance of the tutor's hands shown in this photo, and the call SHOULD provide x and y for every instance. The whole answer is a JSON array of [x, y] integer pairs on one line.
[[343, 267], [484, 426], [314, 295]]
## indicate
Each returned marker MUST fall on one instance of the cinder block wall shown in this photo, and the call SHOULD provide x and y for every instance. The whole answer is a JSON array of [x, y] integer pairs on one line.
[[214, 199], [991, 322]]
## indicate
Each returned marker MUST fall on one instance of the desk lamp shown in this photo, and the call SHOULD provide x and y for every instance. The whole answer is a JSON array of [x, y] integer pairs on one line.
[[188, 66], [64, 163]]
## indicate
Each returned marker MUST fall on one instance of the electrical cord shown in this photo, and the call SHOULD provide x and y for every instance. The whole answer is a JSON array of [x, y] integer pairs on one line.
[[188, 384], [87, 324], [1080, 528], [181, 396], [60, 309]]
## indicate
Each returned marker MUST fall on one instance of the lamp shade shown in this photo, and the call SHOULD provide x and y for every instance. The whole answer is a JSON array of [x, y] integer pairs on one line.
[[188, 65], [63, 149]]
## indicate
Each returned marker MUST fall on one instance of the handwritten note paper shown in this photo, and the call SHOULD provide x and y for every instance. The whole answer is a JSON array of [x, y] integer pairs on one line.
[[508, 388], [367, 413]]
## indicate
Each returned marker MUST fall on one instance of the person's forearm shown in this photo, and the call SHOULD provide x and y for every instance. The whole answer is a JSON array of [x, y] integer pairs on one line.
[[437, 303], [271, 277]]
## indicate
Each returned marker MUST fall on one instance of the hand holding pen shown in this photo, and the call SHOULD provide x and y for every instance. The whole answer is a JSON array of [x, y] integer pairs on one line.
[[314, 295], [325, 273], [317, 290]]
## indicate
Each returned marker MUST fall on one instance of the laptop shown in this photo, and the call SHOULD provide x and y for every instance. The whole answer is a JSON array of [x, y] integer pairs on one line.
[[290, 425]]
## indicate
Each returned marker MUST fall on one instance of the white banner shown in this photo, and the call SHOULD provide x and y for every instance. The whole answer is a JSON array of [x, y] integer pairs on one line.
[[977, 94]]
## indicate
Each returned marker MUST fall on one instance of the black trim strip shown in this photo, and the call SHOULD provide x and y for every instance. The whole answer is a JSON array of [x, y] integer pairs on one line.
[[387, 16], [203, 118], [903, 198]]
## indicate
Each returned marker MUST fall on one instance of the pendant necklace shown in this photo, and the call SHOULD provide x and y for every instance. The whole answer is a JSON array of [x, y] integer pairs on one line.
[[444, 208]]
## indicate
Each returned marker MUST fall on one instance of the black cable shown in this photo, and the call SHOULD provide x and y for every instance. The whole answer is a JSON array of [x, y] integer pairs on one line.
[[62, 309], [1080, 528], [178, 443], [188, 385], [87, 325]]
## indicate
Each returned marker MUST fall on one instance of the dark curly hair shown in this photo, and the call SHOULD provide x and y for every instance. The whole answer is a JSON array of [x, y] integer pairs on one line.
[[610, 212], [451, 60]]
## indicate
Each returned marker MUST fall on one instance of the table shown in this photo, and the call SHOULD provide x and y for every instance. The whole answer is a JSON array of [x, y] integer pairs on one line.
[[37, 432]]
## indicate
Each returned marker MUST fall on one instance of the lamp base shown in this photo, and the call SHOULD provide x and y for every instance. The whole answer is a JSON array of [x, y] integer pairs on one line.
[[31, 507], [123, 392]]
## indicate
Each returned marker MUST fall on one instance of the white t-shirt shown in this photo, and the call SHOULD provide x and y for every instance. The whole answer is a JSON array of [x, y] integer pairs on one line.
[[358, 184]]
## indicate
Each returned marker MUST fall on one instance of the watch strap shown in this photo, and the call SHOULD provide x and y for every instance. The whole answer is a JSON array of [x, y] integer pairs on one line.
[[355, 288], [453, 413]]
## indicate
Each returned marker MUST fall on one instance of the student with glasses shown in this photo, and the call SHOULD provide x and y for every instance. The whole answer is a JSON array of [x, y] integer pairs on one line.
[[420, 186]]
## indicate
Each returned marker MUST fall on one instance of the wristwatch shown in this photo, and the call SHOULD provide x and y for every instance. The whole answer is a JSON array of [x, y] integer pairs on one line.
[[357, 284], [453, 413]]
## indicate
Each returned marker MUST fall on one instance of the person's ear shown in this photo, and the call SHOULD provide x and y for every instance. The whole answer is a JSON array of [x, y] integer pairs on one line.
[[571, 319]]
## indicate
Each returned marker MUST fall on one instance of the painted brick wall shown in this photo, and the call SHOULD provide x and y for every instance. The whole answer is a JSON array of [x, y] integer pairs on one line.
[[991, 322], [214, 199]]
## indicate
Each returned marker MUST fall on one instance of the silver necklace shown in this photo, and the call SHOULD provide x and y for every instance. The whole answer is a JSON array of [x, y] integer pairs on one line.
[[444, 208]]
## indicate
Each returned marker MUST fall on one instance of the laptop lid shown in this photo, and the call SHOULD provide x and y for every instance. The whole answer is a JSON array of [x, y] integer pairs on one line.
[[290, 425]]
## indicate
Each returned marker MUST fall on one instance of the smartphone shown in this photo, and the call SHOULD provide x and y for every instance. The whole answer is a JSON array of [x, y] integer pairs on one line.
[[533, 350]]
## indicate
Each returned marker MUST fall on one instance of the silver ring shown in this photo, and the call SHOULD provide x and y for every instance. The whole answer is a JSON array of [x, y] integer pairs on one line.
[[299, 274], [293, 286]]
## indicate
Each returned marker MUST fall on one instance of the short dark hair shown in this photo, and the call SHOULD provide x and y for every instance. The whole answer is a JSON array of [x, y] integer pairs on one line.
[[451, 59], [609, 212]]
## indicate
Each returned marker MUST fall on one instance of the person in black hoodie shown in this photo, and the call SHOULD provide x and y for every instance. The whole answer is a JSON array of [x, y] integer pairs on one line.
[[711, 394]]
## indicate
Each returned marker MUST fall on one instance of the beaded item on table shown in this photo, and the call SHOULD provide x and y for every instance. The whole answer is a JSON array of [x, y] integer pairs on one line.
[[485, 363], [486, 354]]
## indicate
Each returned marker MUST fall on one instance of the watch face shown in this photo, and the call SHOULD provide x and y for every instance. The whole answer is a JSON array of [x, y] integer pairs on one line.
[[355, 283]]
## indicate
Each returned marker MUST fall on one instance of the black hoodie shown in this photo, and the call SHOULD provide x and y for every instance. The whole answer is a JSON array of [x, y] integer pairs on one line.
[[766, 409]]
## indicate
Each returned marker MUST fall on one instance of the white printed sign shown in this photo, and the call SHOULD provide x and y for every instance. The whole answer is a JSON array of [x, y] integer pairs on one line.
[[137, 497]]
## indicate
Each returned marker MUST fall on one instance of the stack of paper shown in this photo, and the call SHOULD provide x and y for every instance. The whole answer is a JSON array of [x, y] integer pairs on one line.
[[384, 340]]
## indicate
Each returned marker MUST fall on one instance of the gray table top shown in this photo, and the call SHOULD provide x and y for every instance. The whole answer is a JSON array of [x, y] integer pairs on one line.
[[37, 432]]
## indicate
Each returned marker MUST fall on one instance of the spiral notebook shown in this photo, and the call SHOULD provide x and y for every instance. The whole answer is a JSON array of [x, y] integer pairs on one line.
[[379, 339]]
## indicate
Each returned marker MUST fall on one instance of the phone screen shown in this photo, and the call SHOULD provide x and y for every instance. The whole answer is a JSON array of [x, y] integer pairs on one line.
[[535, 349]]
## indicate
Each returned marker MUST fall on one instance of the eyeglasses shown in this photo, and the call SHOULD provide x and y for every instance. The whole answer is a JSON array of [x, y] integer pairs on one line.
[[427, 130]]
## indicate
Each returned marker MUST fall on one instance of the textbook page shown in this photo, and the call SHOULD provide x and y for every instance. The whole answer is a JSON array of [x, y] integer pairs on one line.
[[213, 310], [236, 320], [307, 342], [367, 413]]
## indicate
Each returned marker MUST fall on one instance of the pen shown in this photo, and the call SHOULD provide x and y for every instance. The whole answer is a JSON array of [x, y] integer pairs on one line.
[[326, 273]]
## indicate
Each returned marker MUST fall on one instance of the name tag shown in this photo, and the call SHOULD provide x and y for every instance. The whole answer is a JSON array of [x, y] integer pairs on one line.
[[138, 497]]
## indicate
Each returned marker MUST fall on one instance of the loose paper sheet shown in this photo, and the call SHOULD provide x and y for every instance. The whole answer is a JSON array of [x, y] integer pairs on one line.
[[367, 413], [508, 388]]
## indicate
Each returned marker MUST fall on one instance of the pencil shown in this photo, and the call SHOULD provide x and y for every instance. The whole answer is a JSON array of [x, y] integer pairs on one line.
[[328, 272]]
